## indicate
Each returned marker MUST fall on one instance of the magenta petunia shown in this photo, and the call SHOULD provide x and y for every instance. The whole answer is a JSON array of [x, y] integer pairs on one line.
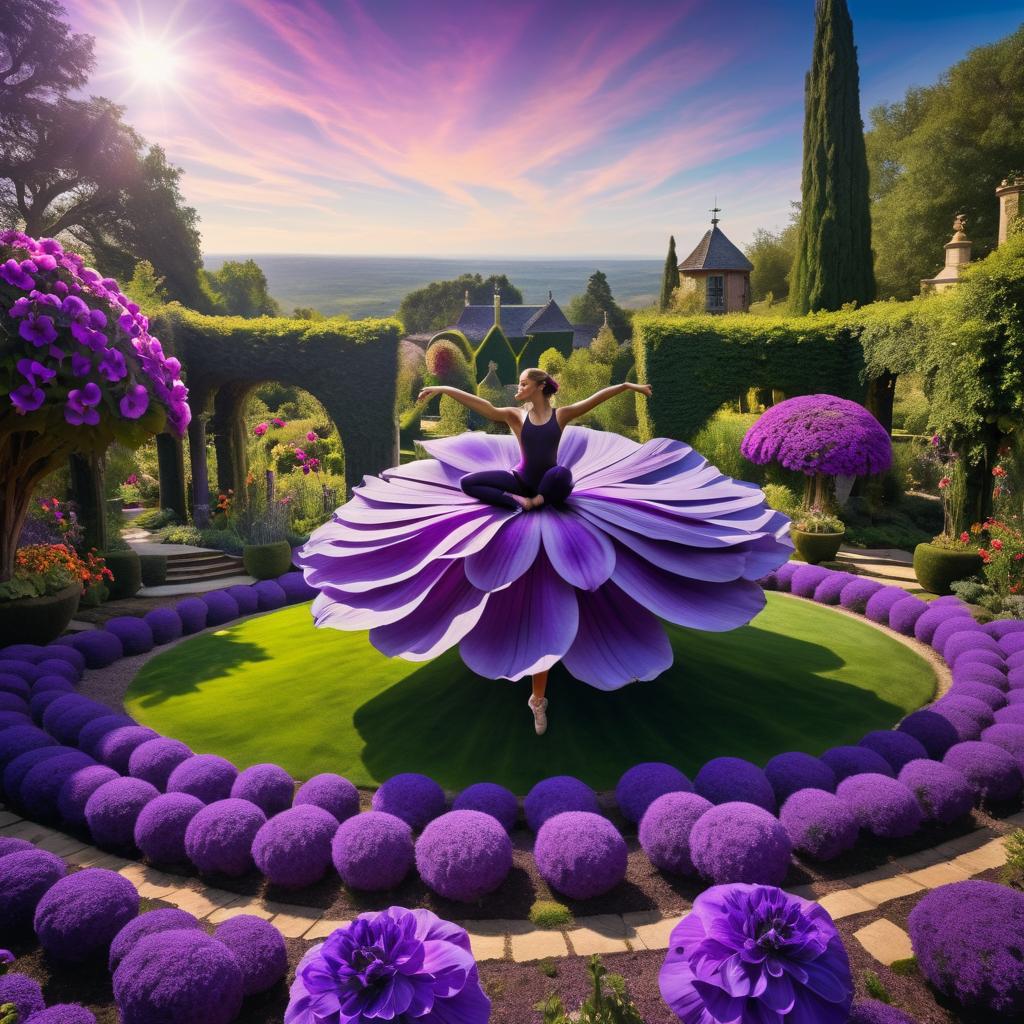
[[135, 402], [651, 532]]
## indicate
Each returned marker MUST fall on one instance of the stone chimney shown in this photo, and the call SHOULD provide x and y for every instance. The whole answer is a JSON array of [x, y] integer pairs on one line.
[[958, 255], [1010, 206]]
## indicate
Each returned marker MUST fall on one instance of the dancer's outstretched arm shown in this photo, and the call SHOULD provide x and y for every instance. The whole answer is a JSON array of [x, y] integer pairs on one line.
[[474, 402], [570, 412]]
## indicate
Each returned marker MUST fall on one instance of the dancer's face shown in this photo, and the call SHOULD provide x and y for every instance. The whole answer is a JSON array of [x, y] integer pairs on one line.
[[528, 390]]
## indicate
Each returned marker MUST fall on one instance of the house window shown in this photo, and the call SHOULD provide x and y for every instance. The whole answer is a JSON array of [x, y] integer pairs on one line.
[[716, 292]]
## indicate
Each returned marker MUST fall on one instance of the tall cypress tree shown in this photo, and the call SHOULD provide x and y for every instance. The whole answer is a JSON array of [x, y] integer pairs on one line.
[[670, 276], [833, 259]]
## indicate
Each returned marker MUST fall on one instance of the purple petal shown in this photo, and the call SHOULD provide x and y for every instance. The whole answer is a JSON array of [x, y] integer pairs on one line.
[[580, 554], [508, 555], [470, 1006], [585, 451], [644, 459], [474, 450], [450, 965]]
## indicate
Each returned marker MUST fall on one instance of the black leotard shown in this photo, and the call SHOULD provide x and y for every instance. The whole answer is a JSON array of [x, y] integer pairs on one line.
[[540, 448]]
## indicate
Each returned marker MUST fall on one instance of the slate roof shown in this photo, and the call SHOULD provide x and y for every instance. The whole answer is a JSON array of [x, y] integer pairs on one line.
[[716, 252], [516, 321]]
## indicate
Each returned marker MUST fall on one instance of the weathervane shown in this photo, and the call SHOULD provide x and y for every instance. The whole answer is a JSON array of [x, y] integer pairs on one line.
[[714, 211]]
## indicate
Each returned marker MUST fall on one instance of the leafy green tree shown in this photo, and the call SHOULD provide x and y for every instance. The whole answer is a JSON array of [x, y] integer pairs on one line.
[[604, 347], [241, 289], [591, 306], [942, 150], [833, 262], [772, 253], [439, 304], [670, 275], [146, 288], [307, 313]]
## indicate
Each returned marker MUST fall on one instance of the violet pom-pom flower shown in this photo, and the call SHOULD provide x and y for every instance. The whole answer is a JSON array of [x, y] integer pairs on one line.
[[756, 953], [397, 965], [651, 532]]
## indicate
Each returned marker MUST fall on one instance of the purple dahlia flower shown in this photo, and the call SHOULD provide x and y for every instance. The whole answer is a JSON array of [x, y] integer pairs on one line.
[[650, 532], [394, 965], [756, 953]]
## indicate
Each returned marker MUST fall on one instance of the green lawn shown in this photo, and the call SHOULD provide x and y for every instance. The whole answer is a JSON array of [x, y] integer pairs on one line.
[[273, 688]]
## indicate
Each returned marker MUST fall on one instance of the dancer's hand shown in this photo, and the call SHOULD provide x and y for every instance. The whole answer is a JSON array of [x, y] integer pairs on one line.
[[428, 393], [644, 389]]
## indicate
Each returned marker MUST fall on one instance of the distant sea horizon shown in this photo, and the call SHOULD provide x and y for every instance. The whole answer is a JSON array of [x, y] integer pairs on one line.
[[361, 286]]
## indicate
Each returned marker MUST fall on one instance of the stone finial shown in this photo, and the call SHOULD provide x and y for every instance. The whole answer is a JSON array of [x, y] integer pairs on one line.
[[492, 367], [467, 296], [606, 318], [550, 296], [959, 224]]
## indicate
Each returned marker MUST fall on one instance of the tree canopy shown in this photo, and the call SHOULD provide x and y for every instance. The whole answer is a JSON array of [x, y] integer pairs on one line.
[[439, 304], [591, 306], [669, 276], [772, 253], [240, 289]]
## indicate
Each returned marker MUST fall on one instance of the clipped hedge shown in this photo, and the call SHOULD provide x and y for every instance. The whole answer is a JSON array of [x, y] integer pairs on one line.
[[127, 570], [153, 569]]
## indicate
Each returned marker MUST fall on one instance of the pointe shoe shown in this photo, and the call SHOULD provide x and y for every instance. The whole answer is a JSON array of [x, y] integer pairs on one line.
[[540, 714]]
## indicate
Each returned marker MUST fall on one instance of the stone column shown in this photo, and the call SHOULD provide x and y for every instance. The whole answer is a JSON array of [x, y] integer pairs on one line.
[[200, 479], [1011, 209]]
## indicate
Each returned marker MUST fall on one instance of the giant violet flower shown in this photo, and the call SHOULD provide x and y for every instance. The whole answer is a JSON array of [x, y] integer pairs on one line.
[[397, 965], [650, 532], [753, 954]]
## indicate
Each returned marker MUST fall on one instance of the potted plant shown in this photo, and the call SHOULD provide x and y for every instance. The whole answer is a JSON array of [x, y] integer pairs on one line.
[[817, 535]]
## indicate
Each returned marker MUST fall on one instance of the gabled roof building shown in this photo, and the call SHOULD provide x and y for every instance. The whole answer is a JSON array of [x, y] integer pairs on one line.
[[721, 269]]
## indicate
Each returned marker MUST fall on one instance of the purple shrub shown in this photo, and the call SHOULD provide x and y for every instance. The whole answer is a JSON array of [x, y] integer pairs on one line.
[[806, 579], [1009, 737], [8, 719], [881, 804], [1003, 627], [992, 772], [164, 624], [52, 682], [22, 652], [1010, 644], [855, 595], [135, 635], [9, 702], [871, 1011], [796, 770], [245, 597], [976, 672], [293, 849], [269, 595], [731, 779], [64, 1013], [1013, 714], [898, 748], [847, 761], [10, 683], [161, 824], [966, 723], [41, 786], [768, 582], [25, 876], [295, 588], [979, 691], [221, 607], [880, 603], [943, 793], [642, 784], [373, 851], [967, 940], [192, 613], [829, 590], [490, 798], [784, 575], [947, 629], [464, 855], [268, 786], [155, 759], [981, 656], [665, 830], [903, 615], [416, 799], [112, 809], [332, 793], [1015, 674], [165, 920], [117, 746], [556, 795], [218, 840], [972, 640], [24, 670], [24, 992], [98, 647], [959, 704], [65, 718], [16, 771], [178, 977], [10, 844], [925, 626], [259, 949], [92, 732], [57, 667], [79, 916], [580, 854], [819, 824], [933, 732], [65, 652], [77, 788], [740, 842], [206, 776], [1014, 697]]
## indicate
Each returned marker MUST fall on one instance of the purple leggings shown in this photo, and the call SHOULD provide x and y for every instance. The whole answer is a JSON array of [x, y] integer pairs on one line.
[[493, 486]]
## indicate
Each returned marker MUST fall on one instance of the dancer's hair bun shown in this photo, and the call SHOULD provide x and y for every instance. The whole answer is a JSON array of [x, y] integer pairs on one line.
[[550, 386]]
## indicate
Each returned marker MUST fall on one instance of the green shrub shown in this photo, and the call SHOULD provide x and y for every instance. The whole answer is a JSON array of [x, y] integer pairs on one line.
[[227, 541], [127, 572], [938, 567], [267, 561], [156, 518], [905, 968], [1013, 872], [782, 499], [180, 535], [875, 988], [719, 442], [454, 416], [550, 914], [154, 570], [971, 591]]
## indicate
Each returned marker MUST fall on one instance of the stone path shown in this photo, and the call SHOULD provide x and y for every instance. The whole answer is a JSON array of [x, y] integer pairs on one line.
[[893, 565], [520, 941]]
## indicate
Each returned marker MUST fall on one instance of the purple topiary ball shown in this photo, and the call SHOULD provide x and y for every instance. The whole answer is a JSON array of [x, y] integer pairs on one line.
[[497, 801], [580, 854], [1009, 737], [1012, 714], [41, 786], [1014, 697], [805, 580], [879, 604], [828, 591], [10, 702], [955, 706], [10, 683], [373, 851], [65, 652], [161, 824], [980, 656], [796, 770], [11, 844], [1010, 644], [26, 671], [293, 848], [871, 1011], [220, 607], [416, 799], [847, 761], [25, 876], [155, 759], [245, 597], [52, 682], [925, 626], [332, 793], [295, 588], [15, 772], [117, 746], [969, 639], [556, 795], [79, 916], [269, 595], [98, 647], [64, 1013], [218, 840], [112, 809], [24, 992], [881, 804], [979, 691], [784, 575], [8, 719], [897, 748], [206, 776], [967, 938], [731, 779], [933, 731], [768, 582], [192, 613], [50, 667], [943, 793], [1003, 627], [946, 629], [903, 615], [166, 920], [41, 701], [165, 625], [179, 977], [77, 788], [974, 672], [135, 635], [819, 824], [642, 784], [92, 732], [65, 718], [19, 739], [464, 855], [740, 842], [665, 830], [259, 949], [855, 595], [992, 772], [268, 786]]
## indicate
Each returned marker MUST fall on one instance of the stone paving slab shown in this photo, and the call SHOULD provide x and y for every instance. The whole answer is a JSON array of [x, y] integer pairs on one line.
[[650, 929], [845, 903], [887, 889], [291, 920], [529, 943], [885, 941], [248, 907], [939, 874], [201, 904], [7, 818], [323, 928], [603, 933], [991, 855], [487, 939], [196, 586]]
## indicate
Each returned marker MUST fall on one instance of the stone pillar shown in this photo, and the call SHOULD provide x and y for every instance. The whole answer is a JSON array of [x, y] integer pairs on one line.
[[87, 492], [958, 255], [170, 455], [1011, 208], [200, 478]]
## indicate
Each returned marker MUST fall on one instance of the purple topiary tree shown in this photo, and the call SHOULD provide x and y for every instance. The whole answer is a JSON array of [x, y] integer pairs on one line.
[[218, 840], [293, 848], [331, 792], [415, 798], [642, 784]]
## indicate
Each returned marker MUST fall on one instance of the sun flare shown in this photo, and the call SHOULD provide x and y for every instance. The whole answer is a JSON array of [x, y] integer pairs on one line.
[[155, 63]]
